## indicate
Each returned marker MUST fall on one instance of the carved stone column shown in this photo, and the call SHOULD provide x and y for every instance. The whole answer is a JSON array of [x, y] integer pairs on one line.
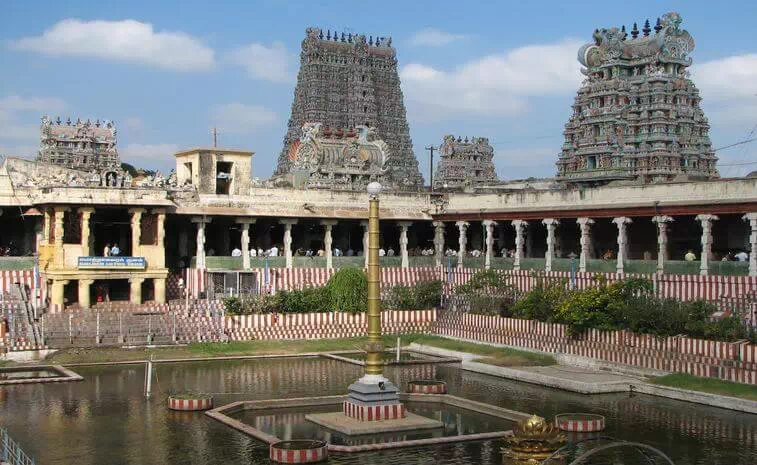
[[84, 286], [136, 230], [328, 241], [438, 242], [288, 223], [86, 238], [489, 225], [57, 294], [59, 257], [520, 227], [662, 240], [551, 224], [622, 223], [244, 224], [135, 291], [752, 219], [364, 224], [462, 242], [585, 224], [404, 226], [201, 221], [159, 285], [704, 259]]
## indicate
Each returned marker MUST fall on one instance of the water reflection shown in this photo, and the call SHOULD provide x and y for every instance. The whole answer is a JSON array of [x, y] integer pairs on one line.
[[106, 420]]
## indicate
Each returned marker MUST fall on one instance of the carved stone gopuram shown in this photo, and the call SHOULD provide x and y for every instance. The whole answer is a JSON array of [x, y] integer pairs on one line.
[[465, 162], [346, 81], [80, 145], [637, 115]]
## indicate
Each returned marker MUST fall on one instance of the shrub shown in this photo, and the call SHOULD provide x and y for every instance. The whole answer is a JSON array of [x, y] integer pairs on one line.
[[232, 305], [542, 302], [491, 305], [262, 303], [423, 295], [486, 282], [348, 291], [307, 300]]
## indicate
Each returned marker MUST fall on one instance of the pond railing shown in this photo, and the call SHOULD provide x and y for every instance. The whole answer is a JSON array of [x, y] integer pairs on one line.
[[11, 452]]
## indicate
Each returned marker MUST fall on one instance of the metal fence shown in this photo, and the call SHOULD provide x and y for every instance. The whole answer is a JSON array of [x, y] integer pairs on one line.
[[11, 452]]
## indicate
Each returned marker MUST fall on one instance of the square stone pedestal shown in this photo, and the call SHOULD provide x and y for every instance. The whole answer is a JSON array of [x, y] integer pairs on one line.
[[341, 423]]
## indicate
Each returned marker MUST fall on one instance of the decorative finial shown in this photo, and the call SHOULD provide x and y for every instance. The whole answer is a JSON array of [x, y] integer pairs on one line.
[[328, 34], [349, 37], [635, 31], [623, 32], [370, 42], [342, 36], [646, 29], [320, 34], [57, 120], [657, 27]]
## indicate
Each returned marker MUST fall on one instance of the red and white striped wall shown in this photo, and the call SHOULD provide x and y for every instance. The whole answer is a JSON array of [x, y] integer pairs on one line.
[[374, 412], [26, 279], [580, 422], [190, 404], [280, 453]]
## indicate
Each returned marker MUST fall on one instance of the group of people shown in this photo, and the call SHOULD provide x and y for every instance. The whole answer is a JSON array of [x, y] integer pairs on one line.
[[113, 251], [730, 256], [254, 252]]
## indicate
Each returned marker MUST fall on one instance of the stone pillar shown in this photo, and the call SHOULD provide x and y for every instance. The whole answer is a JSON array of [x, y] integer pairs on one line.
[[404, 226], [288, 223], [551, 224], [704, 259], [520, 226], [622, 222], [489, 225], [328, 242], [136, 230], [84, 300], [59, 258], [135, 292], [364, 224], [662, 240], [585, 224], [159, 285], [46, 226], [752, 219], [462, 242], [201, 221], [86, 239], [438, 242], [57, 293], [244, 224]]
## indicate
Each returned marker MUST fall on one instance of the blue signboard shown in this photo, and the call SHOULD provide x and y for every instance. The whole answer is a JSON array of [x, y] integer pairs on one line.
[[112, 263]]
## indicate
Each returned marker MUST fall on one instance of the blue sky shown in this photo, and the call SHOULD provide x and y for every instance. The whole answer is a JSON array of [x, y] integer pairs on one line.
[[168, 72]]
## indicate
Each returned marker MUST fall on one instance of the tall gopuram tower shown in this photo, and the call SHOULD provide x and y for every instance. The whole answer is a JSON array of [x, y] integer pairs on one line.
[[637, 116], [346, 81], [465, 162], [81, 145]]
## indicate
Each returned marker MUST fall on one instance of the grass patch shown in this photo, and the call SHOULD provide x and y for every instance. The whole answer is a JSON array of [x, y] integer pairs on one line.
[[500, 356], [713, 386]]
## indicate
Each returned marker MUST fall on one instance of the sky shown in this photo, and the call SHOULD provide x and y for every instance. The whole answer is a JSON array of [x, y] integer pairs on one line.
[[168, 72]]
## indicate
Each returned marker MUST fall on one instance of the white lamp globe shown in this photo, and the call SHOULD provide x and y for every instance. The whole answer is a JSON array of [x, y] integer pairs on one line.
[[374, 189]]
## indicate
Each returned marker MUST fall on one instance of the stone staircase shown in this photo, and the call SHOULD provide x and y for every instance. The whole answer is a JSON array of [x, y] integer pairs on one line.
[[17, 315], [731, 361]]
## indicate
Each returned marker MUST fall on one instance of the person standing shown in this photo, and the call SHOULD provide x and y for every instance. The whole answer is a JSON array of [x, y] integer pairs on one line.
[[106, 250], [115, 251], [690, 256]]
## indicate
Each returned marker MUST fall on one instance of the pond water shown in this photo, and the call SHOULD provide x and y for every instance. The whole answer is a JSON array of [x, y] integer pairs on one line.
[[106, 420]]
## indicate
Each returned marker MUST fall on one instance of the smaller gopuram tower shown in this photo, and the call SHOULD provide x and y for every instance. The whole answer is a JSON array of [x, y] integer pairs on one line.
[[637, 115], [81, 145], [465, 162]]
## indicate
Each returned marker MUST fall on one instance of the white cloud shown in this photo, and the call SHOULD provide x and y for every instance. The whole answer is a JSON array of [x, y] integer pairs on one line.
[[12, 106], [240, 118], [126, 40], [133, 123], [19, 122], [22, 150], [499, 84], [431, 37], [263, 62], [731, 77]]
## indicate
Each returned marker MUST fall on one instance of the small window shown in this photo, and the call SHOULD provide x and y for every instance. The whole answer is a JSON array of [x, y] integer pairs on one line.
[[591, 162], [223, 177], [188, 168]]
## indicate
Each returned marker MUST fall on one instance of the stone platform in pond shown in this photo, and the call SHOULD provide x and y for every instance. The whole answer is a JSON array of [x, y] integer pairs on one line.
[[37, 374], [340, 422]]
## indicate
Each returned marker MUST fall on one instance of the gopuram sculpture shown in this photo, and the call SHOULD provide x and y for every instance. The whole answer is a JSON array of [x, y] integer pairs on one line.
[[637, 115], [465, 163], [338, 158], [346, 81], [80, 145]]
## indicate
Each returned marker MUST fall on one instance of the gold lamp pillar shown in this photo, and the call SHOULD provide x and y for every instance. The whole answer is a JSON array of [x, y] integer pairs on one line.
[[374, 348]]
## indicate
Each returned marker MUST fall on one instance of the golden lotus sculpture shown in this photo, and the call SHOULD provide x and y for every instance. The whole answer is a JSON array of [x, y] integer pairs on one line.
[[533, 440]]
